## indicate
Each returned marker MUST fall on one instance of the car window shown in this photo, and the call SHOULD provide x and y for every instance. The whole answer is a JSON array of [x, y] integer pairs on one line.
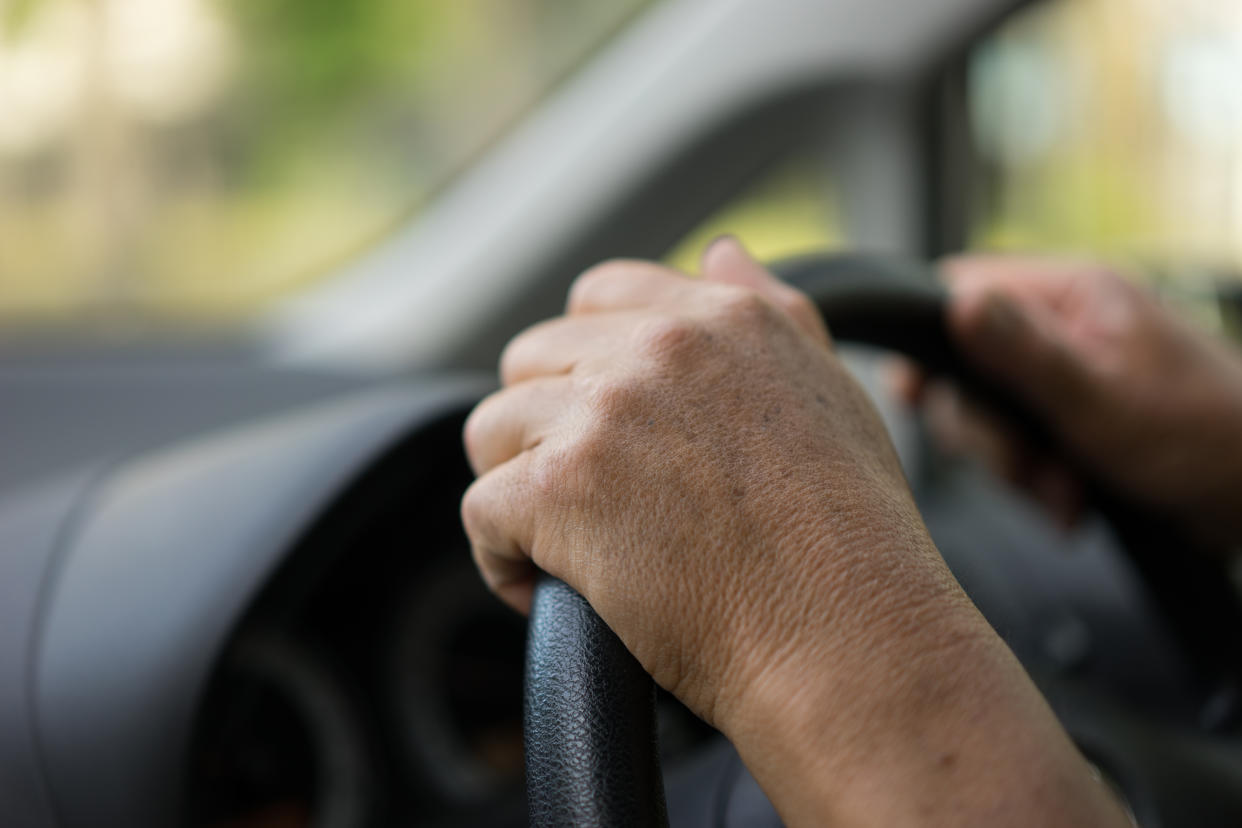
[[790, 209], [1114, 128], [193, 159]]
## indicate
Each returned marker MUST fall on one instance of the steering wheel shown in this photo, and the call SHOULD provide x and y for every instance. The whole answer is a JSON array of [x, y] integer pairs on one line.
[[591, 751]]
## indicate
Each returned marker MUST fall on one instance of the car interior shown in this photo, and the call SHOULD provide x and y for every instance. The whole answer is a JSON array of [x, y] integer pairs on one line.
[[235, 589]]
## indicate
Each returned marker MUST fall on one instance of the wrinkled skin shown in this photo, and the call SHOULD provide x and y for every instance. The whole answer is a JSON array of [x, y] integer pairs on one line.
[[692, 458], [1151, 405]]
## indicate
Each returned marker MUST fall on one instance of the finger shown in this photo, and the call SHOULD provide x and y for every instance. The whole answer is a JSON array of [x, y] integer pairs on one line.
[[1021, 347], [497, 514], [558, 345], [514, 420], [626, 284], [726, 261], [1023, 277]]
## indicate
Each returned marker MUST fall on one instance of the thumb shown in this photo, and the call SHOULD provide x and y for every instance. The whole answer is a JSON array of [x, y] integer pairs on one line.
[[1020, 346], [726, 261]]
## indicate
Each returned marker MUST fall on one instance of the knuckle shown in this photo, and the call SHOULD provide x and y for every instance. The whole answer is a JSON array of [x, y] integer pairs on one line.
[[612, 401], [593, 281], [798, 305], [480, 427], [474, 508], [666, 338], [522, 354], [511, 358], [562, 472], [474, 429], [553, 474], [745, 307]]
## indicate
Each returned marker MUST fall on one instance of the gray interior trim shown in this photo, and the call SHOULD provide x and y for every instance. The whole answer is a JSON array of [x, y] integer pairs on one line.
[[418, 300], [175, 547]]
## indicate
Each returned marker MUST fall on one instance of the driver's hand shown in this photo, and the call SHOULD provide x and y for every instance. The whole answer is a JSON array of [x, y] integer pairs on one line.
[[694, 460], [1151, 405], [704, 471]]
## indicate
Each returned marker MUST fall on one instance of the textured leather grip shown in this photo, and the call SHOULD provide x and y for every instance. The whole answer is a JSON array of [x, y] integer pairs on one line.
[[591, 754]]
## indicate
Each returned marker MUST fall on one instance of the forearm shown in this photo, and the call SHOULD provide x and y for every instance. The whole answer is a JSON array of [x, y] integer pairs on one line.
[[939, 728]]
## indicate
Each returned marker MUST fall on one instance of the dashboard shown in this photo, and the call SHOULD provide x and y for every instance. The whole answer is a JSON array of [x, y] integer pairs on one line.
[[275, 621], [374, 680]]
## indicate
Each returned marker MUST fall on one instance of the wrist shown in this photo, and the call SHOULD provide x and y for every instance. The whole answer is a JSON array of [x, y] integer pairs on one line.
[[941, 726]]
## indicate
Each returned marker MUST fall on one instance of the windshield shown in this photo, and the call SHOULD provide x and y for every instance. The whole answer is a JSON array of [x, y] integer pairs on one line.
[[191, 160], [1113, 128]]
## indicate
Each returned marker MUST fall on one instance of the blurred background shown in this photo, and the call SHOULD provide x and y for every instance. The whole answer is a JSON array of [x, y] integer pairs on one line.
[[193, 159], [177, 163]]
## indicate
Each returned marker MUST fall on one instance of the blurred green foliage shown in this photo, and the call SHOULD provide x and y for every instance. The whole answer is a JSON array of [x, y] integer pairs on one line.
[[310, 65], [336, 122], [13, 14]]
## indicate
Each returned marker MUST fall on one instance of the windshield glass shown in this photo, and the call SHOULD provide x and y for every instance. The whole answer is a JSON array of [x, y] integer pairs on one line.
[[1114, 128], [191, 160]]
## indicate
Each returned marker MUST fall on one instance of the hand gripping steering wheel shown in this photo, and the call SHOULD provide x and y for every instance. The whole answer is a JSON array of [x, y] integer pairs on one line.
[[591, 752]]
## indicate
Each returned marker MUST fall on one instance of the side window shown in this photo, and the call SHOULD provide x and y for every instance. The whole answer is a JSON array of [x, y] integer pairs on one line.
[[190, 161], [1113, 129], [788, 210]]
